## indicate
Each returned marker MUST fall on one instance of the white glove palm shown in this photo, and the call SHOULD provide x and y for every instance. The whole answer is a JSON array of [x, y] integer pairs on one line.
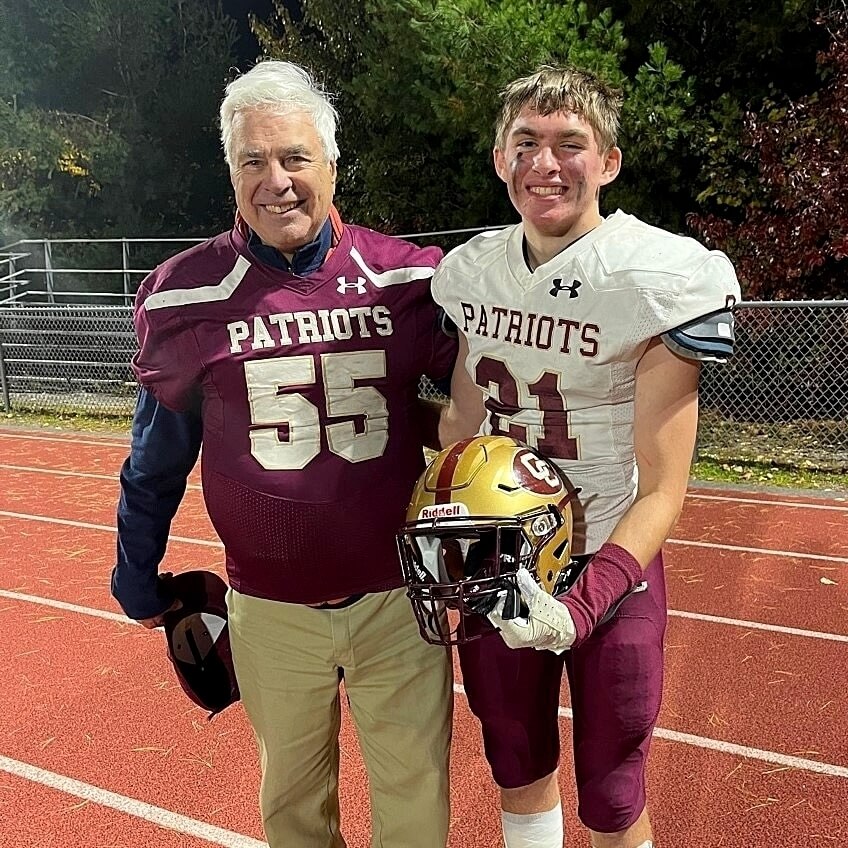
[[548, 625]]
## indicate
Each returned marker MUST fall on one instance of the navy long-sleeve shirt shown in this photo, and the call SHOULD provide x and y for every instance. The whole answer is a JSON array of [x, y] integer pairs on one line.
[[165, 446]]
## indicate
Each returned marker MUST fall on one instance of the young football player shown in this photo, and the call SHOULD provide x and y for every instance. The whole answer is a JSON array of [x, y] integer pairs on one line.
[[581, 336]]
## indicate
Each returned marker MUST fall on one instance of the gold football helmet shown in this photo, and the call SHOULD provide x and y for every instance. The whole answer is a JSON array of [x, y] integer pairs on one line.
[[483, 508]]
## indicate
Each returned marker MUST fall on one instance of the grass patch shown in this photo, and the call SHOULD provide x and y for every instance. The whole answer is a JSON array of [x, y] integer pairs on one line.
[[714, 470], [765, 474], [819, 445], [68, 421]]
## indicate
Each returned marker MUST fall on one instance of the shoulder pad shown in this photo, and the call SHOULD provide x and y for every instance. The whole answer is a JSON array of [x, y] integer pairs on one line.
[[479, 246], [707, 339], [647, 253]]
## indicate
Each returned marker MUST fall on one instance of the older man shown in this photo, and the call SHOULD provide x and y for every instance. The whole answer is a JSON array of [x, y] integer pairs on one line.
[[292, 347]]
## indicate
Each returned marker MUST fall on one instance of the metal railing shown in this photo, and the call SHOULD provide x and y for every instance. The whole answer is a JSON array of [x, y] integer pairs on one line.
[[13, 282], [782, 399], [43, 270], [71, 270]]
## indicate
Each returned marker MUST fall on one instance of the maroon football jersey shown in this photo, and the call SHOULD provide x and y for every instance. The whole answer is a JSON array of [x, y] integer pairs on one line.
[[309, 386]]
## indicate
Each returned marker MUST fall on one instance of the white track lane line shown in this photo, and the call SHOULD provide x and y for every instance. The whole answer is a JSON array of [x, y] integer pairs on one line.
[[691, 495], [727, 747], [111, 478], [768, 551], [565, 712], [55, 472], [130, 806], [120, 618], [764, 502], [750, 625], [88, 526], [67, 440], [197, 487], [229, 839], [696, 616], [714, 545], [779, 759], [756, 625]]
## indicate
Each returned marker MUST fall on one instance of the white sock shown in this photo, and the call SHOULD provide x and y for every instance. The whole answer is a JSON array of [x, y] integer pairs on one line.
[[648, 843], [536, 830]]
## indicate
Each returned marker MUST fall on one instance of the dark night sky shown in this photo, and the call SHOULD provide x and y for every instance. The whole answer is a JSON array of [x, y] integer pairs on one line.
[[247, 47]]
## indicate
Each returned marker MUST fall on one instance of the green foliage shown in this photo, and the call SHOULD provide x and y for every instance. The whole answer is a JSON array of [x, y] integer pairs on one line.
[[789, 232], [737, 55], [419, 82], [729, 181], [108, 114], [658, 124], [53, 167], [108, 127]]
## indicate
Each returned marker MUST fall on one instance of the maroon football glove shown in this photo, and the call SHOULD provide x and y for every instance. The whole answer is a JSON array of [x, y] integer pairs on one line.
[[613, 573]]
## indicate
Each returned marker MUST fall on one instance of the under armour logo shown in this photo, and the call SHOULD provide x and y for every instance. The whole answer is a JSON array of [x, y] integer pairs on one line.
[[558, 285], [345, 286]]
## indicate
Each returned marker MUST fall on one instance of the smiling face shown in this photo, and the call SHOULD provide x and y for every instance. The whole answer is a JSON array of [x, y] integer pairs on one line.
[[554, 170], [283, 182]]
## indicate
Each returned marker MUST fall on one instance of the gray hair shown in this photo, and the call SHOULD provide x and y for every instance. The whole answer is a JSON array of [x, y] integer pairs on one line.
[[279, 88]]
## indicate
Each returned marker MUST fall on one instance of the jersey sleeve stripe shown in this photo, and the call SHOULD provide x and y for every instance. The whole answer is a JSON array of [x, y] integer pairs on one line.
[[200, 294], [692, 347], [695, 343], [394, 277], [709, 337]]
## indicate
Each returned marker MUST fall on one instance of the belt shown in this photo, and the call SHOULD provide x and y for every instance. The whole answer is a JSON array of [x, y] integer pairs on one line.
[[344, 602]]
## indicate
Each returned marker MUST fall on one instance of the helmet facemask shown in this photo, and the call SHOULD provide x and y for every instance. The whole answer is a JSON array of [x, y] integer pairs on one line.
[[465, 564]]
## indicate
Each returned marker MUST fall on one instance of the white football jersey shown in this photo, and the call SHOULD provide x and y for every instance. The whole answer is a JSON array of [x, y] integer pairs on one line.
[[555, 350]]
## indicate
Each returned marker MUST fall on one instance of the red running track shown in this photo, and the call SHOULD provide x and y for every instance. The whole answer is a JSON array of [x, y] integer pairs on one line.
[[99, 747]]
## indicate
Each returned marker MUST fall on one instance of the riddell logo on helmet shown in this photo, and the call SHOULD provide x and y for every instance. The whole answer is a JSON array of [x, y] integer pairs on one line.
[[453, 510]]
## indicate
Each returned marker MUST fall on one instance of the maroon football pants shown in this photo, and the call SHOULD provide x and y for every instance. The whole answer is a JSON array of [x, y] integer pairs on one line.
[[615, 678]]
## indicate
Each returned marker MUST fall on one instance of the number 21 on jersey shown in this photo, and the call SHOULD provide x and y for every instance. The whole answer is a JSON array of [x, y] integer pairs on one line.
[[534, 413]]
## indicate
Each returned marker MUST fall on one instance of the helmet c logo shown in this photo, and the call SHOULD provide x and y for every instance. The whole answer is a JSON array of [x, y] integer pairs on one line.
[[535, 474]]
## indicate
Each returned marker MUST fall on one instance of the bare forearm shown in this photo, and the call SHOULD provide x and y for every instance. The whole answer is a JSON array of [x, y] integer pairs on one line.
[[454, 425], [644, 528], [429, 422], [665, 424], [462, 417]]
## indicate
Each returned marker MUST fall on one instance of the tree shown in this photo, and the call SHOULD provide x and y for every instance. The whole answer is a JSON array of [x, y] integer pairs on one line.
[[790, 238], [737, 54], [746, 48], [419, 82], [109, 126]]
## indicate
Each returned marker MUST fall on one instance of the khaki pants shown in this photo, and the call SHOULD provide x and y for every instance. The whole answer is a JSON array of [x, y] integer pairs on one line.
[[288, 659]]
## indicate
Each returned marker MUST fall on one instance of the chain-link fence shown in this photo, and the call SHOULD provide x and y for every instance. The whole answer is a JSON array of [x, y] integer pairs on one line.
[[783, 398], [67, 358]]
